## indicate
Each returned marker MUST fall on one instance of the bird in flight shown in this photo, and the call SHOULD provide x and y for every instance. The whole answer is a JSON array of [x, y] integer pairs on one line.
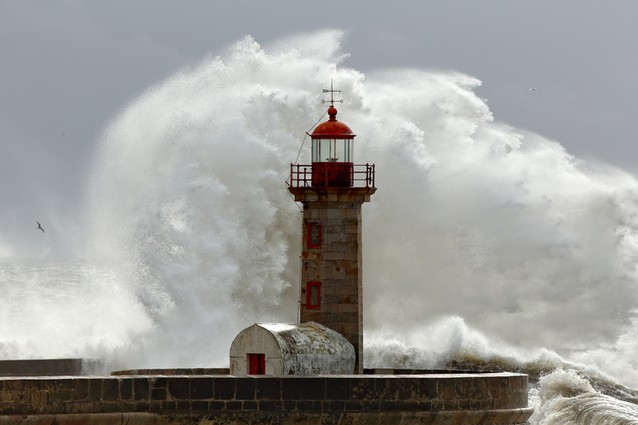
[[40, 226]]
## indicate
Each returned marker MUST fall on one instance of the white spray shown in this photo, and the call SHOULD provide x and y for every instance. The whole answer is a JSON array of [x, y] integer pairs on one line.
[[471, 219]]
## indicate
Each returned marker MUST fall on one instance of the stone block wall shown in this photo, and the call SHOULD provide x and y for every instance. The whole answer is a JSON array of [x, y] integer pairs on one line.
[[335, 261], [485, 398], [49, 367]]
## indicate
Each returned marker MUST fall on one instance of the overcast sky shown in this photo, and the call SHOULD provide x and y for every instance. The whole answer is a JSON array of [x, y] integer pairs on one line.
[[69, 66]]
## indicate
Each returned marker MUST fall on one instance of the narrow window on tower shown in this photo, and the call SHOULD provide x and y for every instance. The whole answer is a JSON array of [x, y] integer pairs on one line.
[[313, 295], [314, 235]]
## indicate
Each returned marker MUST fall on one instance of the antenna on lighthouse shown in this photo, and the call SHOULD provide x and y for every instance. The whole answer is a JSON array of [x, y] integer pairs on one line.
[[332, 92]]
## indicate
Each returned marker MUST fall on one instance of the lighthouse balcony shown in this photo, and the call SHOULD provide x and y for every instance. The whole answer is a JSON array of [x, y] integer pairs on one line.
[[332, 175]]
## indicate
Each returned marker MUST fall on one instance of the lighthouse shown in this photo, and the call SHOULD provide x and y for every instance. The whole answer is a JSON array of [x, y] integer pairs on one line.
[[332, 190]]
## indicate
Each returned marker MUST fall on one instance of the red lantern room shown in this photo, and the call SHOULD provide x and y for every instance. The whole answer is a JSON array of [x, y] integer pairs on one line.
[[332, 157], [332, 146]]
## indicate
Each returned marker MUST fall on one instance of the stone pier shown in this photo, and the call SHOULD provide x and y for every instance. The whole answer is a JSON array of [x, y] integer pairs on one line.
[[453, 399]]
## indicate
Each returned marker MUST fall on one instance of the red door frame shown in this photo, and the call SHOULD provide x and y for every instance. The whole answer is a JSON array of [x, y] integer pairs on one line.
[[256, 364]]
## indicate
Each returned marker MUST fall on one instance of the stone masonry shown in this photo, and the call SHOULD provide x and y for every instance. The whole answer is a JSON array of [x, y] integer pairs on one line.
[[453, 399], [336, 262]]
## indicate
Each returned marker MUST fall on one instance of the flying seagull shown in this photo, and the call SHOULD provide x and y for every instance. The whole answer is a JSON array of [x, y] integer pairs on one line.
[[40, 226]]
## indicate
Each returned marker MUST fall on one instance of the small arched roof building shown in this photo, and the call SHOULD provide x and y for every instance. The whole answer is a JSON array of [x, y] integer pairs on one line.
[[291, 349]]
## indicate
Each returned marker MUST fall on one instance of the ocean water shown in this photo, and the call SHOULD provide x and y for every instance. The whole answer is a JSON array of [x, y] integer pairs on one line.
[[485, 246]]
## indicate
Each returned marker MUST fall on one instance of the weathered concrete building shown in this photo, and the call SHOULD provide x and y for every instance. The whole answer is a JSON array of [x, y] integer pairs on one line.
[[284, 349]]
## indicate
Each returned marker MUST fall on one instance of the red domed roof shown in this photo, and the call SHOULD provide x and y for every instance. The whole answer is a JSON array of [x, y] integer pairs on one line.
[[332, 129]]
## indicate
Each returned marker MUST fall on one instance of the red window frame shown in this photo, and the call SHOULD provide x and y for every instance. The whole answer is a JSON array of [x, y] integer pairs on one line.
[[256, 363], [310, 288], [313, 244]]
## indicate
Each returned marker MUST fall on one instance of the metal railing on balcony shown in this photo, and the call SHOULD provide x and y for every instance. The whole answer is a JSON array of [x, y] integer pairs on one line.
[[332, 174]]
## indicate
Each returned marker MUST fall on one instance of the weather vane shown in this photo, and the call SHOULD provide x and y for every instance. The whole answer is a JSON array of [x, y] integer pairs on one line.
[[332, 92]]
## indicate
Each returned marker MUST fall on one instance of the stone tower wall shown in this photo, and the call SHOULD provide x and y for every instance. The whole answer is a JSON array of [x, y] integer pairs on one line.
[[336, 263]]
